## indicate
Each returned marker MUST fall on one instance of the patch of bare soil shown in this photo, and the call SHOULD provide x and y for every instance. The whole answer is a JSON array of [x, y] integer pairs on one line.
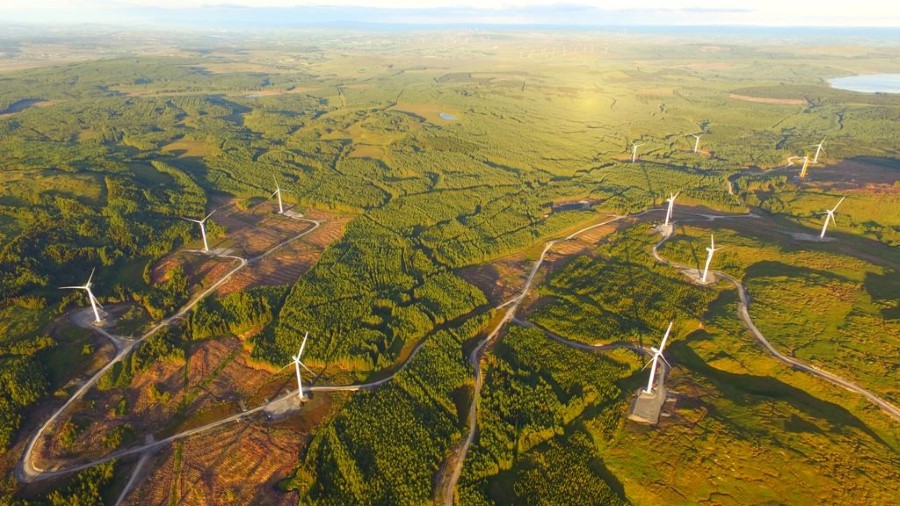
[[499, 280], [285, 265], [239, 464], [764, 100], [857, 174]]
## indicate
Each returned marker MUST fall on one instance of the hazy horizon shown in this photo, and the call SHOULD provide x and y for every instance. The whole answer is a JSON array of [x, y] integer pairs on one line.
[[573, 13]]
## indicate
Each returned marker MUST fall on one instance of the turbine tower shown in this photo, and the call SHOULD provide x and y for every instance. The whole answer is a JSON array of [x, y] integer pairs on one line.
[[711, 249], [696, 142], [818, 150], [634, 151], [829, 216], [87, 288], [671, 201], [202, 224], [806, 161], [277, 192], [297, 365], [657, 354]]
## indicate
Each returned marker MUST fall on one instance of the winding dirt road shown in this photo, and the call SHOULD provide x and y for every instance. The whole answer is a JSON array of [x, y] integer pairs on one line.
[[27, 471], [744, 315], [448, 475], [451, 469]]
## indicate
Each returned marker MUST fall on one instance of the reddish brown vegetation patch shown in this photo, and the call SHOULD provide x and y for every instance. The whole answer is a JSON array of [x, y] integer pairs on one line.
[[239, 464], [855, 175], [285, 265], [500, 280]]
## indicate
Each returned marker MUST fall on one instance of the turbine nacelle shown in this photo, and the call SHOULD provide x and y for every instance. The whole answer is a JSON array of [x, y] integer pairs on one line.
[[295, 361], [829, 216], [658, 354], [93, 300], [203, 220]]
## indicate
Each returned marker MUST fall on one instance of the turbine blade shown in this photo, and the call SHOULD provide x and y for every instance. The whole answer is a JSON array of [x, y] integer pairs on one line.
[[208, 215], [283, 368], [302, 345], [273, 193], [712, 242], [666, 337], [72, 288], [664, 360], [93, 299], [839, 203], [307, 368], [90, 277]]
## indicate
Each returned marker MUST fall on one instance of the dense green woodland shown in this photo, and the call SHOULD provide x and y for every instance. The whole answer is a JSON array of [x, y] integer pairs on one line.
[[101, 158]]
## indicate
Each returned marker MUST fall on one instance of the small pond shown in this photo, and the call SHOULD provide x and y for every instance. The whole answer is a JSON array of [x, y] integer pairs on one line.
[[868, 83]]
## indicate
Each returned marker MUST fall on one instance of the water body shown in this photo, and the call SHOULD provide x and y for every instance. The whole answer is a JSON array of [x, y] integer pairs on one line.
[[868, 83], [21, 105], [448, 117]]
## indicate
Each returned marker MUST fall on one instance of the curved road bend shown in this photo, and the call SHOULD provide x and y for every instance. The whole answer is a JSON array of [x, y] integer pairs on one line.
[[26, 471], [744, 315], [446, 483], [448, 475]]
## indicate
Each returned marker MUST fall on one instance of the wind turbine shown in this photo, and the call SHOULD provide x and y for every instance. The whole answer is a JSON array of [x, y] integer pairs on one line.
[[658, 354], [297, 365], [203, 228], [87, 288], [711, 249], [634, 150], [818, 150], [696, 142], [277, 192], [829, 216], [671, 201], [805, 167]]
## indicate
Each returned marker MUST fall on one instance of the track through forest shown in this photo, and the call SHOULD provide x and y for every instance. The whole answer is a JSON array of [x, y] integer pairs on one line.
[[26, 470], [449, 473]]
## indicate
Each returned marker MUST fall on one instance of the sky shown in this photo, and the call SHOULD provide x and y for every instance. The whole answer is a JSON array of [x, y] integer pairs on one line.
[[823, 13]]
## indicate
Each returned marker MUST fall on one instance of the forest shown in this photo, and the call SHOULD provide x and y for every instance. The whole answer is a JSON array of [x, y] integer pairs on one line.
[[104, 156]]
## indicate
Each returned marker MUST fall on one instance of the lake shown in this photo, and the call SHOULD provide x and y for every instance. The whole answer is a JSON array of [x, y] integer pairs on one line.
[[868, 83]]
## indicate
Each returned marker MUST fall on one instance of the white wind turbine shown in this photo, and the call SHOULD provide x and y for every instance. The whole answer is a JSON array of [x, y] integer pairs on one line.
[[277, 192], [829, 216], [696, 142], [634, 147], [711, 249], [658, 354], [818, 150], [202, 224], [87, 288], [671, 201], [297, 365]]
